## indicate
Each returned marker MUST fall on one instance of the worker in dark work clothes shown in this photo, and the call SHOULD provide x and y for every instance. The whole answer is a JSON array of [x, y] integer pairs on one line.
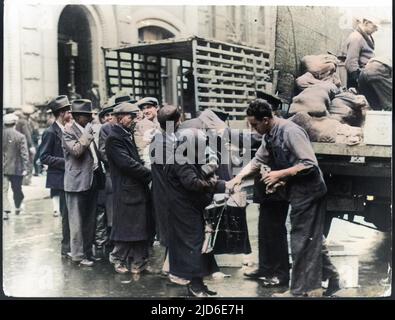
[[273, 258], [298, 179]]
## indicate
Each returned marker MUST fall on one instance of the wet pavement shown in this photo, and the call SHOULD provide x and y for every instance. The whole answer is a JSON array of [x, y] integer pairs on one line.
[[33, 267]]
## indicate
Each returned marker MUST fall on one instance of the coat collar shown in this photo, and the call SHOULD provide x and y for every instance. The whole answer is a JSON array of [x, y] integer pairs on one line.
[[121, 131]]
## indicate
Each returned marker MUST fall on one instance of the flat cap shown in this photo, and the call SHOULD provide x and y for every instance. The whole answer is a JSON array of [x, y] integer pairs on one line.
[[126, 107], [147, 101], [10, 118]]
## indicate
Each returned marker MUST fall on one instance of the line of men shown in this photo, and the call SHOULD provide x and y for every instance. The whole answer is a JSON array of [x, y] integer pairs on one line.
[[79, 173], [132, 224]]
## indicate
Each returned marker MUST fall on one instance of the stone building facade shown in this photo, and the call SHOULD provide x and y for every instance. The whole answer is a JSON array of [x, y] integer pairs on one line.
[[35, 66]]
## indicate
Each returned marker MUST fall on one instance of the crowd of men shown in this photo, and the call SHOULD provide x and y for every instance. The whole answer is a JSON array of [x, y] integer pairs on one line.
[[115, 198], [108, 195]]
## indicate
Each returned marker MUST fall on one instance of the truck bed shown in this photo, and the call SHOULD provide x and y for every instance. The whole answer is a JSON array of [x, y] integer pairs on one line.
[[360, 150]]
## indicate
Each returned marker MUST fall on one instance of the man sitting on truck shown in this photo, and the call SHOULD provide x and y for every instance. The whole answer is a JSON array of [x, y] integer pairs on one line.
[[287, 150], [371, 75]]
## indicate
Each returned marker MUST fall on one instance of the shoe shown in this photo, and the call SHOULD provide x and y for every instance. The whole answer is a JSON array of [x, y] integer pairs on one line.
[[271, 282], [18, 211], [209, 292], [178, 280], [121, 268], [86, 263], [198, 293], [56, 214], [95, 258], [333, 286], [66, 255], [256, 274], [220, 275]]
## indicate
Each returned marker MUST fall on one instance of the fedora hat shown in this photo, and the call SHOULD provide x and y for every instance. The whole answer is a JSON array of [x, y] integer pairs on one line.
[[151, 101], [106, 110], [126, 108], [125, 98], [81, 106], [58, 103]]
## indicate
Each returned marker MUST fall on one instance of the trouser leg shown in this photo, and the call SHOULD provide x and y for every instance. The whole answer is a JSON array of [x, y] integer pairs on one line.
[[138, 255], [65, 223], [89, 219], [75, 206], [16, 186], [272, 239], [101, 236], [120, 252], [56, 203], [307, 223], [6, 203]]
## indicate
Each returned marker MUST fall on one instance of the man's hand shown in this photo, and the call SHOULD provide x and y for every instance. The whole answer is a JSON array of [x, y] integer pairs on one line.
[[231, 184], [272, 177], [24, 173]]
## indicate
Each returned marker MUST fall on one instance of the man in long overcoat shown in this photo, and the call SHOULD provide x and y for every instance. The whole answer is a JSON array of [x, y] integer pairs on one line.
[[130, 180]]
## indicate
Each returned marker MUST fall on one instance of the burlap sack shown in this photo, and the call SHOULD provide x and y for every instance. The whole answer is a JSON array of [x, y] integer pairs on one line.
[[314, 100]]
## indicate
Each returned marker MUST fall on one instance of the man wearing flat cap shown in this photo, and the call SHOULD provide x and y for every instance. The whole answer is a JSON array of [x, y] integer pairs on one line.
[[359, 48], [83, 178], [146, 128], [130, 180], [15, 163], [51, 154]]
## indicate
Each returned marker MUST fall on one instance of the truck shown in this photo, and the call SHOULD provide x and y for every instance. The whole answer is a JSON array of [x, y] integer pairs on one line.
[[215, 74]]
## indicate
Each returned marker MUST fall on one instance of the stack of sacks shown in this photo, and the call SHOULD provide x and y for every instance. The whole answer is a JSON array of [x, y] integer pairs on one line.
[[326, 129], [349, 107], [314, 100]]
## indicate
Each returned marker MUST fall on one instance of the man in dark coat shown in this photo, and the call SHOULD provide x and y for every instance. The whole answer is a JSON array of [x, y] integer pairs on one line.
[[15, 163], [189, 193], [83, 179], [130, 180], [161, 150], [287, 148], [51, 154]]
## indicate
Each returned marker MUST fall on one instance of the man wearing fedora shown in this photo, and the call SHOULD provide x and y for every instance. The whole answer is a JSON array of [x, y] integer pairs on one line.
[[51, 154], [83, 178], [130, 180], [15, 163]]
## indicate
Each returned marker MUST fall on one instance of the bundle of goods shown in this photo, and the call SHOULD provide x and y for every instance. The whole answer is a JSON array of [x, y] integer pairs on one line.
[[307, 80], [320, 66], [349, 107], [325, 129], [314, 100], [328, 112]]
